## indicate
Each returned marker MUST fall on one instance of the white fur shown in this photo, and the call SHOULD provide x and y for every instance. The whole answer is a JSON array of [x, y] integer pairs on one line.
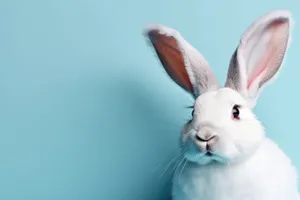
[[267, 175], [244, 164], [255, 167]]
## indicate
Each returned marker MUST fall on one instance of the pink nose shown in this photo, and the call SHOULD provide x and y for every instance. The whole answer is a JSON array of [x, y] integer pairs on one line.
[[207, 138]]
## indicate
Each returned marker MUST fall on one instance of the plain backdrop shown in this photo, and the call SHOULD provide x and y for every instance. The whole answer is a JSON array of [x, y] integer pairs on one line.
[[88, 113]]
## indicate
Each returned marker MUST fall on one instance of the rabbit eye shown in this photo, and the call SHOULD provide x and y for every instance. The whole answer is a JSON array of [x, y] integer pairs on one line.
[[192, 113], [236, 112]]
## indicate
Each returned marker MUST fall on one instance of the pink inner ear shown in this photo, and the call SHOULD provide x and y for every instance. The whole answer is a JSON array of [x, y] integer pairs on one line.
[[171, 58], [261, 67], [269, 58]]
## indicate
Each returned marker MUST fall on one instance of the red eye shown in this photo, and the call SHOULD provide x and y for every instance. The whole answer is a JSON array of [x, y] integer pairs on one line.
[[235, 112]]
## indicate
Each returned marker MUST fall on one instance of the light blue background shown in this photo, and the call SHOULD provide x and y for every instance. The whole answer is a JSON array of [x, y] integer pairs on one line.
[[86, 110]]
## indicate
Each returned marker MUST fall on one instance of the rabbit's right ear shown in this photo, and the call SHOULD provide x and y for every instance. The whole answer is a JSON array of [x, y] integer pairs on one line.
[[259, 55], [183, 63]]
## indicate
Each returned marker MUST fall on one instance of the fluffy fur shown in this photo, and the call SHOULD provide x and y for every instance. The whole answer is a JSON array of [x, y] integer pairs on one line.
[[225, 154]]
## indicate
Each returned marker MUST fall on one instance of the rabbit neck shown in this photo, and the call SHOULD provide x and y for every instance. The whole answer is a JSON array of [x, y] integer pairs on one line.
[[261, 176]]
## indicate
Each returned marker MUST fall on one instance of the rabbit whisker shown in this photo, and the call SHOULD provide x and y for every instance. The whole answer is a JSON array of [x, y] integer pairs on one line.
[[170, 163]]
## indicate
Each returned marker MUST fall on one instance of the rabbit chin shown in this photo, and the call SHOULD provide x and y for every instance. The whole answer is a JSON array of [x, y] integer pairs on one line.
[[206, 159], [228, 154]]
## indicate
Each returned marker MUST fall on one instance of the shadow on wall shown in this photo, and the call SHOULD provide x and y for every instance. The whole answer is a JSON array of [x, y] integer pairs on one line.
[[145, 132]]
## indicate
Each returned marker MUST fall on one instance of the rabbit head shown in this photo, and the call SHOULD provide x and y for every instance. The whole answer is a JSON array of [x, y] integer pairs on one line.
[[223, 127]]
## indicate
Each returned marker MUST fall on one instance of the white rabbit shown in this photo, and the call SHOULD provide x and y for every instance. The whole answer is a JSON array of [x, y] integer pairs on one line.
[[225, 151]]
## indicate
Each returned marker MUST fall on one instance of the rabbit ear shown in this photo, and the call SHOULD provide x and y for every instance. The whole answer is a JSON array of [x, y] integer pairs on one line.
[[260, 54], [184, 64]]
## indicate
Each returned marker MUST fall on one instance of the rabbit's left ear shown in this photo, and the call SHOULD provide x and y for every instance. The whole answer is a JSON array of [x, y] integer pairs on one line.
[[260, 54]]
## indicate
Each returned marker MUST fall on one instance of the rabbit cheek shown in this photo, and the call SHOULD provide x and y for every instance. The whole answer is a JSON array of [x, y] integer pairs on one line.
[[229, 150], [185, 132]]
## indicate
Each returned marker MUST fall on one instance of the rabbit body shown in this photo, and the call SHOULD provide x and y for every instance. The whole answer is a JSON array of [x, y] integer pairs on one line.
[[225, 152], [267, 175]]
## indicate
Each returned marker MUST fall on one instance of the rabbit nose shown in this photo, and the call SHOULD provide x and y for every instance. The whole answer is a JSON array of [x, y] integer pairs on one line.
[[205, 138]]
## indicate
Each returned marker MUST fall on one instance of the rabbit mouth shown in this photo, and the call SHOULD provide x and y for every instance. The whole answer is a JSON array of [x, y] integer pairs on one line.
[[209, 154], [204, 157]]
